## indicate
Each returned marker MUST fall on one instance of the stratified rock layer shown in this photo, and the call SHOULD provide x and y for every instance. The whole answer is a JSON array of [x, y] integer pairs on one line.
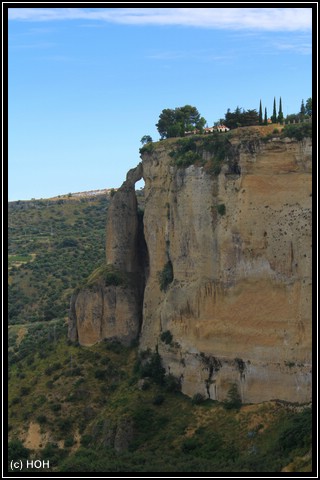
[[239, 307]]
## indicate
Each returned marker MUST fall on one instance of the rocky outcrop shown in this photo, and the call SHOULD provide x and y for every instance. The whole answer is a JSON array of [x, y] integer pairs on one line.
[[109, 305], [105, 311], [122, 231], [223, 264]]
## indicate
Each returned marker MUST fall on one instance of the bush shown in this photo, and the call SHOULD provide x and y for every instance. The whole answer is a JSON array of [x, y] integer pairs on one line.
[[55, 366], [197, 399], [53, 453], [172, 383], [17, 451], [86, 440], [55, 407], [153, 368], [165, 276], [69, 442], [158, 400], [186, 153], [41, 419], [108, 274], [101, 374], [112, 278], [64, 424], [233, 398], [297, 434], [189, 444], [221, 208], [298, 131], [68, 242], [147, 148], [24, 391], [166, 337]]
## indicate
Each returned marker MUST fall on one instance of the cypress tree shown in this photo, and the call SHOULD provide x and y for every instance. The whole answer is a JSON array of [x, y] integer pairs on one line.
[[274, 114], [280, 114], [302, 110], [260, 113], [265, 117]]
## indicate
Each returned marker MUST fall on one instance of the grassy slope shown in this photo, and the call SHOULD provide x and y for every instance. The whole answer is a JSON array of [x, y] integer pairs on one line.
[[76, 397]]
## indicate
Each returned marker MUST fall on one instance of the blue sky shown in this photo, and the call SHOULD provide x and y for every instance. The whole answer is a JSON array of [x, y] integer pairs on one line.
[[85, 84]]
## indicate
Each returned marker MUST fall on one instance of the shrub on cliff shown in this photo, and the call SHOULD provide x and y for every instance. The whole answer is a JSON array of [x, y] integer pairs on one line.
[[298, 131], [193, 151], [166, 337], [197, 399], [108, 274], [153, 368], [165, 276], [185, 152], [147, 148], [233, 400], [221, 208]]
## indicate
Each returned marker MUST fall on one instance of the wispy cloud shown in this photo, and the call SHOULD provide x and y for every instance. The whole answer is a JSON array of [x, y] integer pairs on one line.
[[32, 46], [268, 19], [302, 48], [199, 55]]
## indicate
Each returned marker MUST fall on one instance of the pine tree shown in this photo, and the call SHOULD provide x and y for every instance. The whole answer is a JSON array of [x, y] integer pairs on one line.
[[280, 114], [265, 117], [260, 113], [309, 106], [274, 114]]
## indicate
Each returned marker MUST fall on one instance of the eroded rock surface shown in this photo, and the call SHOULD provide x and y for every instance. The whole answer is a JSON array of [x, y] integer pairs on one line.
[[241, 292], [238, 242], [110, 305]]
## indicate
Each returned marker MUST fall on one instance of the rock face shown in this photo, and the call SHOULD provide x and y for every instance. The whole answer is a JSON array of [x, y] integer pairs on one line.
[[110, 306], [238, 299]]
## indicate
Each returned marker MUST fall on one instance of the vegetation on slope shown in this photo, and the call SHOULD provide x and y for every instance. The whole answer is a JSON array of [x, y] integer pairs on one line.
[[53, 245], [108, 408], [213, 150]]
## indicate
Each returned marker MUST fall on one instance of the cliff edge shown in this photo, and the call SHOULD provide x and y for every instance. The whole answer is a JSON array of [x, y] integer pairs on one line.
[[221, 262]]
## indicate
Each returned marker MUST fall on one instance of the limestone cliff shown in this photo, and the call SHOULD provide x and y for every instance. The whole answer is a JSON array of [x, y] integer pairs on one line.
[[109, 305], [234, 226]]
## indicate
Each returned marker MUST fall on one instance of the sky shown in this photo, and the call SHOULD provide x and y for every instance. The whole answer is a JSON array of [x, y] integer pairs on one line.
[[86, 84]]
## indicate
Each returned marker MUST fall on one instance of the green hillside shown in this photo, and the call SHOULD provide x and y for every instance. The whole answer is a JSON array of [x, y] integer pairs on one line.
[[53, 245], [109, 408]]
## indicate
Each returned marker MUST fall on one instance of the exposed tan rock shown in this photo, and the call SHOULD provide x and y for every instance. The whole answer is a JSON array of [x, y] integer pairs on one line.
[[239, 243], [112, 312], [112, 309], [242, 281], [123, 226]]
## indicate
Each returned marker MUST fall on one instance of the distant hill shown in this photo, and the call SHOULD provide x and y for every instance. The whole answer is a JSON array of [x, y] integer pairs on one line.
[[53, 243]]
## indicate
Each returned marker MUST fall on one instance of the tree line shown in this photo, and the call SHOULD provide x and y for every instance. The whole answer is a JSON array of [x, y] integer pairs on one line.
[[179, 121]]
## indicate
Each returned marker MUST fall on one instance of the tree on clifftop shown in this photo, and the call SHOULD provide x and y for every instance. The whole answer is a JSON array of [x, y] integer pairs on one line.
[[308, 107], [260, 113], [274, 113], [241, 118], [174, 123], [302, 110], [146, 139], [280, 114]]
